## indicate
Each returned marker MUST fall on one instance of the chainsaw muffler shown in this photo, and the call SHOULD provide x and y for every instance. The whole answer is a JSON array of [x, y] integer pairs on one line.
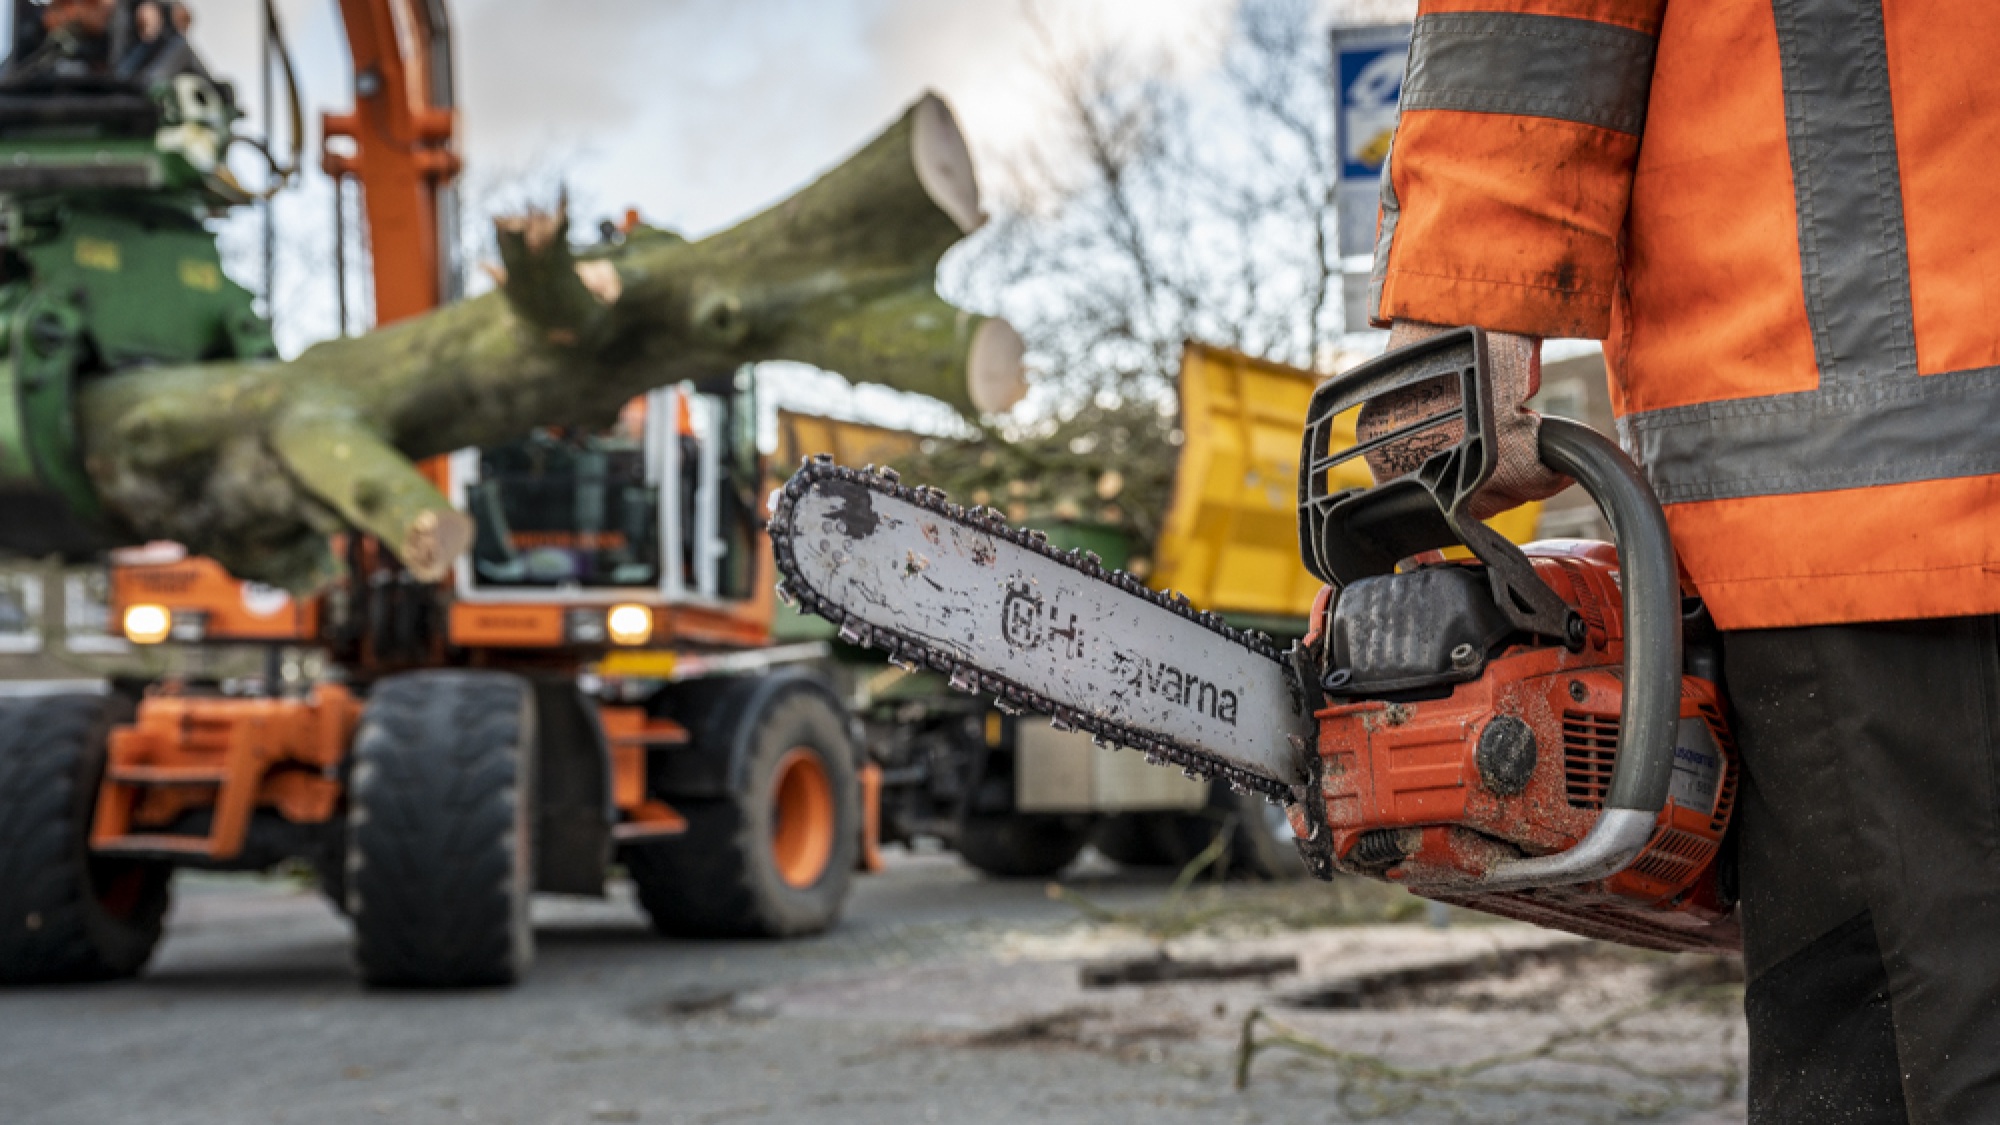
[[1522, 732]]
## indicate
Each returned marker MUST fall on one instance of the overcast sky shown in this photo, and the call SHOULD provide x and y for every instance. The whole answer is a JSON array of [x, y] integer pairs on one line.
[[701, 111]]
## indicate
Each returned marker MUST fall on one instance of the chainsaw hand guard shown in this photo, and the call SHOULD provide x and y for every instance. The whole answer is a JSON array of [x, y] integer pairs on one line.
[[1357, 533], [1349, 535]]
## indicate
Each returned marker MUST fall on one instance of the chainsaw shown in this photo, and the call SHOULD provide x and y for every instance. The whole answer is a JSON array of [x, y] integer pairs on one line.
[[1520, 731]]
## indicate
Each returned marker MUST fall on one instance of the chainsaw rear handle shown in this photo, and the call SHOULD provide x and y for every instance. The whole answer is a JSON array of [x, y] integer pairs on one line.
[[1650, 712]]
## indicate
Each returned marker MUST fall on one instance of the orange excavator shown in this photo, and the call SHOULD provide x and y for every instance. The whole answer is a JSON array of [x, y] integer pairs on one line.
[[595, 682]]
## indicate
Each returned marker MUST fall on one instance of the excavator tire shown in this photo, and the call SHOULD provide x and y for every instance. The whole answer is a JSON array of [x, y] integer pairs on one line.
[[1021, 846], [439, 844], [776, 855], [64, 914]]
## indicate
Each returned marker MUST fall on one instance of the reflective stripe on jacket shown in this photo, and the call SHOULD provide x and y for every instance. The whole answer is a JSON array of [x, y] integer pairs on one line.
[[1782, 216]]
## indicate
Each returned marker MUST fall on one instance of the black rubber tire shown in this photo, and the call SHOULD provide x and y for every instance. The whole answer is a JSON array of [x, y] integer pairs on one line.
[[439, 830], [720, 878], [1020, 846], [1261, 845], [64, 915], [1138, 840]]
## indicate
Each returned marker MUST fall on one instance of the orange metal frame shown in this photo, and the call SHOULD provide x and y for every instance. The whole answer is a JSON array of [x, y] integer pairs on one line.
[[401, 128], [632, 734], [232, 756], [201, 585]]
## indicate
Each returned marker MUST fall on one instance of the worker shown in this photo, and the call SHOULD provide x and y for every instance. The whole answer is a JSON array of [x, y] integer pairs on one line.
[[160, 47], [65, 38], [1778, 216]]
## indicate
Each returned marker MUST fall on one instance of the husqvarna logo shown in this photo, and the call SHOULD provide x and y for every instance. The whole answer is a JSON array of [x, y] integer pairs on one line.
[[1025, 622], [1697, 766]]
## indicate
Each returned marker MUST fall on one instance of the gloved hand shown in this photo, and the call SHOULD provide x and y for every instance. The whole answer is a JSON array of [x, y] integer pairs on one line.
[[1519, 477]]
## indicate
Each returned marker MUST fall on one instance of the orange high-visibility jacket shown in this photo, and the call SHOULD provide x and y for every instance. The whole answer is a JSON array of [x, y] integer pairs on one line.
[[1783, 219]]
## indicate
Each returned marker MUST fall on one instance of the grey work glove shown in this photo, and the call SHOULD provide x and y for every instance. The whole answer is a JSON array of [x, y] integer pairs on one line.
[[1519, 477]]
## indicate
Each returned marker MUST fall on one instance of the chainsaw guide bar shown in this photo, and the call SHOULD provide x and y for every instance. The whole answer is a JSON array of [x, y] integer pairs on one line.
[[998, 610]]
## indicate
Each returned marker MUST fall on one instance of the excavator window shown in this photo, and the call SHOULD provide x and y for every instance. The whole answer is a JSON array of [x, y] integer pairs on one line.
[[566, 509], [664, 500]]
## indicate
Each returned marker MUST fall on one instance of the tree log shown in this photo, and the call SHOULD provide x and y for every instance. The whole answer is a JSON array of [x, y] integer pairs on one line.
[[256, 464]]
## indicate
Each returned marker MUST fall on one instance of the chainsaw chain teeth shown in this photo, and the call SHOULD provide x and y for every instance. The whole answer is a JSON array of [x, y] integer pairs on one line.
[[1008, 696]]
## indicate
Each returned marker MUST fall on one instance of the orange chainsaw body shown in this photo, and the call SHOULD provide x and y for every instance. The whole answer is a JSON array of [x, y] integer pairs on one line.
[[1430, 789]]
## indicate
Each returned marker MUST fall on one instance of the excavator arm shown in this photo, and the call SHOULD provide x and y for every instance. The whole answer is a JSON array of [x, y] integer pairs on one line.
[[397, 144]]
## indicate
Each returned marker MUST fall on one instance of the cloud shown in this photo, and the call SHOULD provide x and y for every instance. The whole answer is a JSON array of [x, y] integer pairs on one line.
[[701, 112]]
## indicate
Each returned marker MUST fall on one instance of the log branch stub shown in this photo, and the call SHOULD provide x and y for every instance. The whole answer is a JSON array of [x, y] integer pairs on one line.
[[375, 489], [545, 284]]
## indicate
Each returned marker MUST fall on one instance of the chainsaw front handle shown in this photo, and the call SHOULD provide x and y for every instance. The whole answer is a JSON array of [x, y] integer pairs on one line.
[[1650, 712]]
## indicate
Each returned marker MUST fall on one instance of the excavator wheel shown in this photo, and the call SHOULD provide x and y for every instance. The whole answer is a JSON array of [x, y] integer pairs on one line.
[[64, 914], [439, 845], [775, 857]]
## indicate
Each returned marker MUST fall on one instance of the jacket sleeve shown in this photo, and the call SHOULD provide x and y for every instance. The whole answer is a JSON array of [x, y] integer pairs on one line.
[[1506, 187]]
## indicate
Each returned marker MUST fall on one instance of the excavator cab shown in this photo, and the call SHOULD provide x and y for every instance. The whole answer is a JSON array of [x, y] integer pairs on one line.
[[656, 513], [654, 507]]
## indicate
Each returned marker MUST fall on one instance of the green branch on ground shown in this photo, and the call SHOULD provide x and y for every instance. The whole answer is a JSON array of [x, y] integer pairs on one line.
[[1172, 917], [1189, 908], [1369, 1086]]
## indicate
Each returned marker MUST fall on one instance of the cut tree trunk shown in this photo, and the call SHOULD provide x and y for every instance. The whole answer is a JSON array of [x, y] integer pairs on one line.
[[256, 464]]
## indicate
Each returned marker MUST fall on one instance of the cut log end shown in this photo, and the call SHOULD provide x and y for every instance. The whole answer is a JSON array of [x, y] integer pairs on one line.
[[995, 376], [944, 163], [433, 541]]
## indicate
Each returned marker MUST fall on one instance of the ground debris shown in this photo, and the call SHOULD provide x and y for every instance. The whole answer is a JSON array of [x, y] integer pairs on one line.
[[1579, 1062], [1087, 1027], [1409, 984], [1575, 978], [1161, 968], [683, 1003]]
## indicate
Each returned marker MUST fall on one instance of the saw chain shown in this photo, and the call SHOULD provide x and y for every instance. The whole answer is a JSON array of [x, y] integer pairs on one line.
[[912, 653]]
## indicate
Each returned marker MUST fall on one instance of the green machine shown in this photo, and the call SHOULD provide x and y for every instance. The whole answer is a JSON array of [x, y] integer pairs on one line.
[[111, 169]]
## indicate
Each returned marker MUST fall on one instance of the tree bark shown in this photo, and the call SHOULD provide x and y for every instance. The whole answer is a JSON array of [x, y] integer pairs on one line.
[[256, 464]]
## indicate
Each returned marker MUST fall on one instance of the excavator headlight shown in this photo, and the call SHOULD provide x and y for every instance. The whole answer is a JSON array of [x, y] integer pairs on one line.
[[629, 624], [147, 624]]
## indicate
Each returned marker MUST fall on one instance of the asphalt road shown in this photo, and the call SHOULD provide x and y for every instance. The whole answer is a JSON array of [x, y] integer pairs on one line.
[[942, 997]]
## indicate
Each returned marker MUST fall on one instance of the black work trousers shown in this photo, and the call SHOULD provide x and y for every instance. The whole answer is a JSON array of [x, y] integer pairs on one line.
[[1868, 853]]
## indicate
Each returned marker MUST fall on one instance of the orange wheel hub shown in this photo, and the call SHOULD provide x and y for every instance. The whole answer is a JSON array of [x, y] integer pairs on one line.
[[802, 821]]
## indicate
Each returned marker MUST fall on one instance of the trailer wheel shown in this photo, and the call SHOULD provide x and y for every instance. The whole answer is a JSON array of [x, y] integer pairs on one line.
[[439, 847], [775, 857], [66, 915], [1265, 845], [1261, 845], [1021, 846], [1144, 839]]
